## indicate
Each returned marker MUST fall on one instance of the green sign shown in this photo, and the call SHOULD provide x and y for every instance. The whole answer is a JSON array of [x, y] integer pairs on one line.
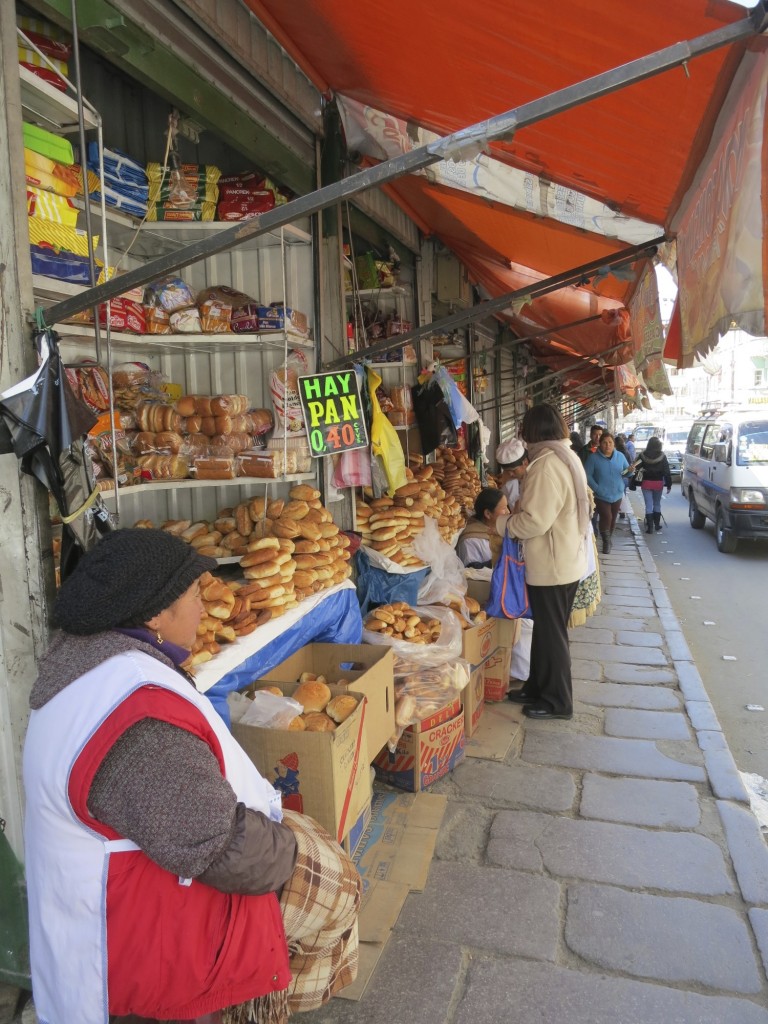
[[332, 412]]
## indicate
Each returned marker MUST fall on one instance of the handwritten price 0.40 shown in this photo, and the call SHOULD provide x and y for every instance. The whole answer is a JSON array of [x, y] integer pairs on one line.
[[335, 438]]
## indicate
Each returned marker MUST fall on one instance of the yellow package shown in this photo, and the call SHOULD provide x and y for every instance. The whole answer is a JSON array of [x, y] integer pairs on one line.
[[384, 440], [50, 207]]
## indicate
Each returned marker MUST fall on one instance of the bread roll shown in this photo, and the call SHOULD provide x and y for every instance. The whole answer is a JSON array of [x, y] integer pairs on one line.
[[312, 695], [143, 524], [195, 530], [303, 492], [263, 569], [271, 689], [262, 543], [176, 526], [289, 528], [318, 722], [297, 724], [306, 547], [259, 557], [186, 405], [340, 707], [295, 510], [275, 508]]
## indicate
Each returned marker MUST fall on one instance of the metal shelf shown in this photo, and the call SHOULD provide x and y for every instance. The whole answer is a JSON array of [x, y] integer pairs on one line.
[[392, 365], [159, 237], [396, 289], [190, 343], [45, 105], [194, 485]]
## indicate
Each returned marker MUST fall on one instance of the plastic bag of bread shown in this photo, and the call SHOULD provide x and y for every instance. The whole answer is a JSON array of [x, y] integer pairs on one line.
[[268, 711], [284, 387], [427, 635], [421, 691]]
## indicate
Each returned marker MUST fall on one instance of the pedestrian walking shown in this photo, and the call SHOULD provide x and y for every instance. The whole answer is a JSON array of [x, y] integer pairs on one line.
[[552, 522], [606, 469], [653, 469]]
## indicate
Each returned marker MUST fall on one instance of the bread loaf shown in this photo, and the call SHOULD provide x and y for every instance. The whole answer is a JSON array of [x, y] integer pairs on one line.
[[340, 707], [313, 695]]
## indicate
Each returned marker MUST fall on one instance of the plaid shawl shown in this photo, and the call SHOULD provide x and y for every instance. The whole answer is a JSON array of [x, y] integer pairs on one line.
[[320, 903]]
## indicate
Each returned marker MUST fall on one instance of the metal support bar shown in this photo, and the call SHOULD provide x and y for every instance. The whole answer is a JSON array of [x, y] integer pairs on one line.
[[498, 305], [454, 146]]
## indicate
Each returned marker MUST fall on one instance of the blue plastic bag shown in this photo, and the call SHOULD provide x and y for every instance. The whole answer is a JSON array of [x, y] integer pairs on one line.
[[509, 595]]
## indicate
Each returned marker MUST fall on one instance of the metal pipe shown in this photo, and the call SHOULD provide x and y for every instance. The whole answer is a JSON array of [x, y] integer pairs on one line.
[[452, 147]]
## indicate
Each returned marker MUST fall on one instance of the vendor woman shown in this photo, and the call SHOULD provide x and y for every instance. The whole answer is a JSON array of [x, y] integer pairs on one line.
[[165, 881], [474, 544]]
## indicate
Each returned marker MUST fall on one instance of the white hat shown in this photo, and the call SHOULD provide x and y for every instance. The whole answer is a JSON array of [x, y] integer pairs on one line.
[[510, 452]]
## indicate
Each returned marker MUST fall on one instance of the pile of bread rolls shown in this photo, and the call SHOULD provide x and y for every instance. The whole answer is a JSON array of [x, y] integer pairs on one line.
[[402, 622], [467, 610], [228, 615], [458, 477], [322, 712], [445, 491]]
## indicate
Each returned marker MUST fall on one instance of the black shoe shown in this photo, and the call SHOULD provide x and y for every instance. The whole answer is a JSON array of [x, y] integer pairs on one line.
[[533, 711], [518, 697]]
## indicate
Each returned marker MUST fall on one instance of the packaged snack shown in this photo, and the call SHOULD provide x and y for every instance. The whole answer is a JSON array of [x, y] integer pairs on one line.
[[245, 320], [158, 320], [214, 316], [277, 317], [186, 321], [262, 464], [214, 467], [124, 315], [169, 294]]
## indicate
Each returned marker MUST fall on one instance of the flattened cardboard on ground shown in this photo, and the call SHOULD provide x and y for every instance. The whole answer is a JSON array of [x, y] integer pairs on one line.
[[473, 700], [401, 838], [323, 774], [367, 667], [500, 729]]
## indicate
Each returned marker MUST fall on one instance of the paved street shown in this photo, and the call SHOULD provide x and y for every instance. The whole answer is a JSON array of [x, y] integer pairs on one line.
[[611, 871]]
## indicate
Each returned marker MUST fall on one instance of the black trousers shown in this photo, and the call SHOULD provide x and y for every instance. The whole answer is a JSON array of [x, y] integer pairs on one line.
[[549, 682]]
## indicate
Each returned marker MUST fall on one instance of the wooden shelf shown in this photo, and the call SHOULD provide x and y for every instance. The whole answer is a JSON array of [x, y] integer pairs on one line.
[[45, 105], [190, 343], [194, 485]]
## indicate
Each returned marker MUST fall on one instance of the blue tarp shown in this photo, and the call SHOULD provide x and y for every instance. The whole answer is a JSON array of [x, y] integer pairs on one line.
[[377, 586], [336, 620]]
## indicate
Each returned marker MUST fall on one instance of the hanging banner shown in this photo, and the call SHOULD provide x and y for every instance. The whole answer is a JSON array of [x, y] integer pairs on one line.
[[333, 413], [648, 334], [382, 136], [721, 227]]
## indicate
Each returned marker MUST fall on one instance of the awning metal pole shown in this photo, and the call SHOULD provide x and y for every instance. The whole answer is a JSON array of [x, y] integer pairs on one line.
[[455, 146], [491, 306]]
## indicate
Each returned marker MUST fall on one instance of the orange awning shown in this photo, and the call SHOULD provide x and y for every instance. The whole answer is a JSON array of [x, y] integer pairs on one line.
[[445, 66]]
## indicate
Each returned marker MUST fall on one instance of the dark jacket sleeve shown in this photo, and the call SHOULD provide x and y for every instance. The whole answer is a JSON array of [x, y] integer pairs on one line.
[[667, 474], [162, 787], [260, 857]]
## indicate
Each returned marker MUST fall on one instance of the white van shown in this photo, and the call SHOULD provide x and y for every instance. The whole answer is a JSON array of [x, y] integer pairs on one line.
[[725, 476]]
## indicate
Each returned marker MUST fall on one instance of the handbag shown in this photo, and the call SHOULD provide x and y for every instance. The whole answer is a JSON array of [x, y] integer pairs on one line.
[[509, 594]]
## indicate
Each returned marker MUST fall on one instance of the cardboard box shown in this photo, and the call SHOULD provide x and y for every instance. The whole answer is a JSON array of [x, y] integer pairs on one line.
[[357, 833], [473, 700], [478, 642], [323, 774], [367, 667], [425, 753], [496, 674]]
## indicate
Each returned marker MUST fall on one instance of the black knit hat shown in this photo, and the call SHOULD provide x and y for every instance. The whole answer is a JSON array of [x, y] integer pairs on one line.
[[129, 577]]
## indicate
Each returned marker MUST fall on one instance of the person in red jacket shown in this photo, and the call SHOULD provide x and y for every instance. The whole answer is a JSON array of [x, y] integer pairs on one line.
[[165, 881]]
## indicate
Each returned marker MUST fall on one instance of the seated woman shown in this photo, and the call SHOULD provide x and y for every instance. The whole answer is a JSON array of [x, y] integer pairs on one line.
[[165, 881], [474, 544]]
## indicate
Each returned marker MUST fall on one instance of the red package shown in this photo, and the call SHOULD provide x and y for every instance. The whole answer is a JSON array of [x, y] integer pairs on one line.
[[50, 47], [125, 315], [47, 76], [248, 179], [245, 319], [239, 209]]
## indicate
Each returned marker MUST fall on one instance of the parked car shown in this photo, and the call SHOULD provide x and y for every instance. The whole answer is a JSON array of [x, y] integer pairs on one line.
[[725, 476], [675, 441]]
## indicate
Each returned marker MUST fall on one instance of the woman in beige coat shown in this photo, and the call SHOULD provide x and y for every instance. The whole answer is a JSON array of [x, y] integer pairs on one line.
[[552, 519]]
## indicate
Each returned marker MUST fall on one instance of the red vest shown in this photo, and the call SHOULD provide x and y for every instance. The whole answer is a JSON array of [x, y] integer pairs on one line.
[[176, 950]]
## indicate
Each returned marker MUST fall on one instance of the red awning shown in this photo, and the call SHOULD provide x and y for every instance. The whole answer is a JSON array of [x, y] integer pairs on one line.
[[445, 66]]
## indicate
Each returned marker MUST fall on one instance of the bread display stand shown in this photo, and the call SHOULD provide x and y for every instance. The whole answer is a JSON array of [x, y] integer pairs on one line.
[[332, 616]]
